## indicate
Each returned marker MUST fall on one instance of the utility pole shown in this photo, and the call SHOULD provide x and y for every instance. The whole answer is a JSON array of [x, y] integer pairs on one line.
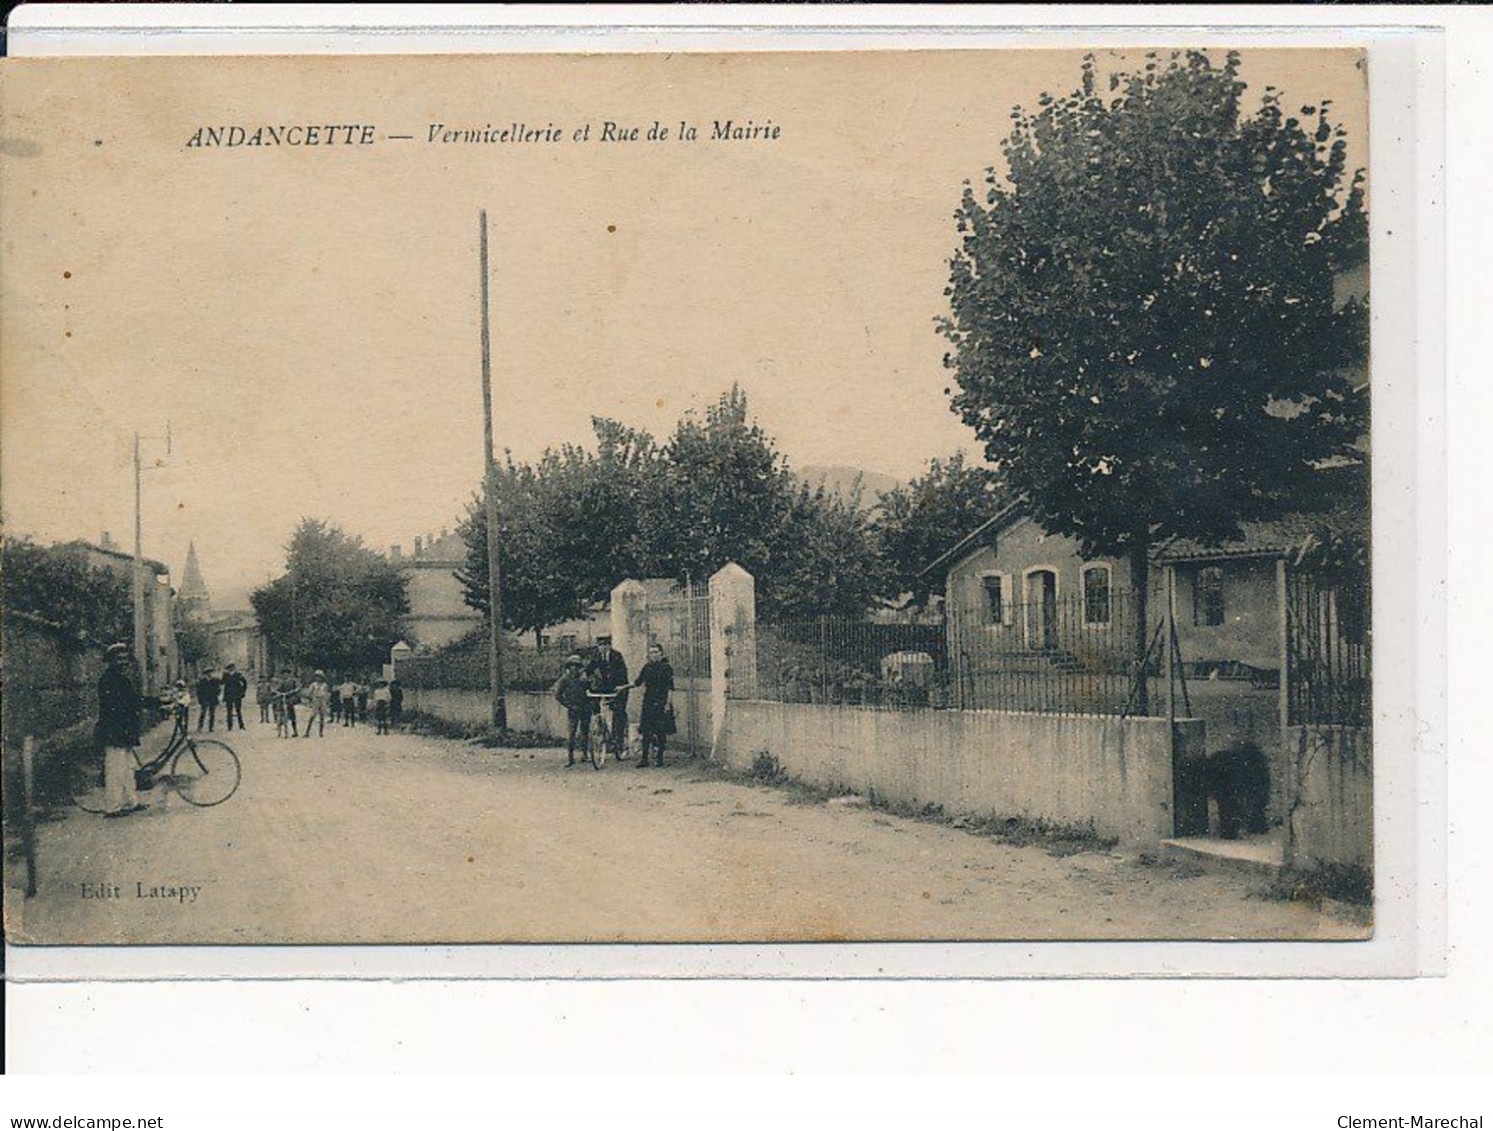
[[137, 575], [494, 576]]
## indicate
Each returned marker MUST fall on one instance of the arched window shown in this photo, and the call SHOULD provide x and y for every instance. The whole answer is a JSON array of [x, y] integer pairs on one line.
[[1096, 584]]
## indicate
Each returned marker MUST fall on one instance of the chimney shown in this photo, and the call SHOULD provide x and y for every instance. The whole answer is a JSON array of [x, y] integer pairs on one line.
[[418, 545], [105, 541], [396, 552]]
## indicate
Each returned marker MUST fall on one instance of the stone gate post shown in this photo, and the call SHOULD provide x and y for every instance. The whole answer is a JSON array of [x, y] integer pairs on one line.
[[630, 635], [733, 643]]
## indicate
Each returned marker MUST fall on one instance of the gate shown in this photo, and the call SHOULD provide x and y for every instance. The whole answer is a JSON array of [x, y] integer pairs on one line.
[[1328, 655], [680, 622]]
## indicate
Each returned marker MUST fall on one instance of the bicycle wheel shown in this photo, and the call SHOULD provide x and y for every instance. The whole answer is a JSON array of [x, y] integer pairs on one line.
[[601, 738], [206, 772]]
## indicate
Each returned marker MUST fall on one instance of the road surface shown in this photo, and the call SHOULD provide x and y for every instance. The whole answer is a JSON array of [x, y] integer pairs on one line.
[[357, 837]]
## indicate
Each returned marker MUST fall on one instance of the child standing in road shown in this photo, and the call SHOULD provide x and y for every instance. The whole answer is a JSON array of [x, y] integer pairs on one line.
[[381, 706], [570, 692]]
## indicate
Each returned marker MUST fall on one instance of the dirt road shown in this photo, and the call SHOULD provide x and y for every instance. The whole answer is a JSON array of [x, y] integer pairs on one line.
[[356, 837]]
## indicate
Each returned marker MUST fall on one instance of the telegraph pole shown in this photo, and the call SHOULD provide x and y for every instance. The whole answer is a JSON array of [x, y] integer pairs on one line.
[[137, 574], [494, 576]]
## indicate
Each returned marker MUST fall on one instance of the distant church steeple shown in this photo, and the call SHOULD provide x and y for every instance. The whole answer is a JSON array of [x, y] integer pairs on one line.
[[193, 589]]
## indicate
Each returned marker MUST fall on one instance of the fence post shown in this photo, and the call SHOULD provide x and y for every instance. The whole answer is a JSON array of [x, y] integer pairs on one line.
[[733, 644], [1288, 761]]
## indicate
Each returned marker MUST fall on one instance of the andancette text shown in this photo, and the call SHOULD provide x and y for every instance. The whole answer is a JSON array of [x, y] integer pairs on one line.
[[602, 132]]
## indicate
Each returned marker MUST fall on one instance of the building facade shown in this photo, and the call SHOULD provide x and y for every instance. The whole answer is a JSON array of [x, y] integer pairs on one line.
[[439, 614]]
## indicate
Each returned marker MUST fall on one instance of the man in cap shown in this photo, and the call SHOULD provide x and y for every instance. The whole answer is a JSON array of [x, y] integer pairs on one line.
[[235, 687], [608, 673], [209, 688], [118, 732]]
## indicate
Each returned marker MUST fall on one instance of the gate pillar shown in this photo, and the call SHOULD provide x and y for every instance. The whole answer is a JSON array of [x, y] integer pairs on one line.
[[733, 643]]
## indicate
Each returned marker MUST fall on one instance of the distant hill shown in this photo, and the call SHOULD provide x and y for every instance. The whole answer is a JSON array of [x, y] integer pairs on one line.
[[842, 481]]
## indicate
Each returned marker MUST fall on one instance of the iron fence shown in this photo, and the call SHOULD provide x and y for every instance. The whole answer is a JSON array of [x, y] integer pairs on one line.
[[1074, 656], [1329, 673]]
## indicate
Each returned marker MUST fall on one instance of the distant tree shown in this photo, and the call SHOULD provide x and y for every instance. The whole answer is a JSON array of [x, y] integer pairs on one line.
[[339, 605], [722, 495], [90, 602], [914, 525], [823, 560], [1142, 317], [194, 639], [725, 494], [568, 528]]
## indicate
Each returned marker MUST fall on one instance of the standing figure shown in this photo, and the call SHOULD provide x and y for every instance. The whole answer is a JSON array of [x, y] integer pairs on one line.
[[608, 673], [381, 706], [264, 695], [336, 701], [318, 699], [361, 698], [396, 702], [118, 732], [348, 689], [209, 688], [657, 681], [235, 687], [570, 692], [287, 695]]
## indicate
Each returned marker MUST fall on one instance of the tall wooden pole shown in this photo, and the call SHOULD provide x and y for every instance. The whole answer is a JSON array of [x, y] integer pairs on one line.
[[494, 575], [137, 585]]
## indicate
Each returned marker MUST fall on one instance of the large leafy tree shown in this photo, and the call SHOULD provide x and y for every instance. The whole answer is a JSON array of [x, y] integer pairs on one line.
[[917, 523], [568, 527], [577, 522], [339, 605], [1143, 326], [59, 586]]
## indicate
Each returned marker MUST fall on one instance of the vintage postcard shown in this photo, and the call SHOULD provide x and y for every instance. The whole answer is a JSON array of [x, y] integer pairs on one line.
[[687, 498]]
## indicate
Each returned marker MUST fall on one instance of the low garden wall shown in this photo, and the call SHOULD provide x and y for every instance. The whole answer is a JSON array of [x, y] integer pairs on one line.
[[538, 712], [1109, 775], [1332, 821]]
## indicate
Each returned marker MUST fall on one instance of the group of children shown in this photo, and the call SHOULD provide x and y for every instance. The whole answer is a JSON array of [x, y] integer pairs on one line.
[[346, 703], [288, 704]]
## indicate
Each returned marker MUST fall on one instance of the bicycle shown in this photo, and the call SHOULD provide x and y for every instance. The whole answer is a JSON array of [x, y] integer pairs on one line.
[[203, 771], [601, 730]]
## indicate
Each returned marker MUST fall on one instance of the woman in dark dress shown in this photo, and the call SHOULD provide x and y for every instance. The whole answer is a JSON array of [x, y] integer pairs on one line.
[[657, 681]]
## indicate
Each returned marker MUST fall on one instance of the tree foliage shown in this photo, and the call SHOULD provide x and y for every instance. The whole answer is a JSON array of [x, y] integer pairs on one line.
[[92, 603], [339, 605], [916, 524], [1142, 314], [1142, 317], [194, 639], [577, 522]]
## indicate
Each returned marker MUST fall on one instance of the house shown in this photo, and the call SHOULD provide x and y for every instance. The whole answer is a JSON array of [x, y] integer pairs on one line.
[[439, 613], [237, 640], [1035, 624], [161, 663], [1011, 586]]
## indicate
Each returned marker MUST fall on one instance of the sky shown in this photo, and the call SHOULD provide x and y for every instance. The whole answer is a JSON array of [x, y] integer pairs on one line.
[[307, 319]]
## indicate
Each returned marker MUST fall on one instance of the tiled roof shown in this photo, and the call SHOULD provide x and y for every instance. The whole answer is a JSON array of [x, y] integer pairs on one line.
[[1340, 507]]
